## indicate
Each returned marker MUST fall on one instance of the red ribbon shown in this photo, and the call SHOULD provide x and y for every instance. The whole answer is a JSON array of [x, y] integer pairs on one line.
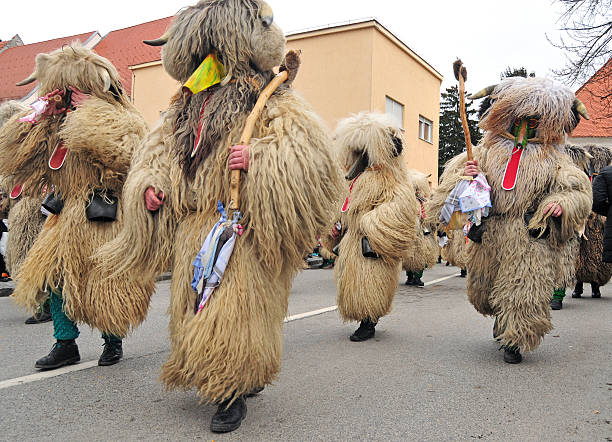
[[348, 198]]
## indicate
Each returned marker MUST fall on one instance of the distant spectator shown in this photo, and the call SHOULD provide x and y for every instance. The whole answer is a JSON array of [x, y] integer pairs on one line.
[[602, 189]]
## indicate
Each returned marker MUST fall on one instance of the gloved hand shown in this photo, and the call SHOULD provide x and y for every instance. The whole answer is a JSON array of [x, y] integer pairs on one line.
[[153, 200], [239, 157], [55, 103]]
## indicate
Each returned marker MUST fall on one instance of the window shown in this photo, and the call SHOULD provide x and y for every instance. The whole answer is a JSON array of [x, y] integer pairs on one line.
[[425, 126], [395, 110]]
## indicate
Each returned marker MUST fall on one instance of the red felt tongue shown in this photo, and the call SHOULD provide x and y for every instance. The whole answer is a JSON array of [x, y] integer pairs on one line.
[[512, 169], [348, 198], [58, 156], [16, 191]]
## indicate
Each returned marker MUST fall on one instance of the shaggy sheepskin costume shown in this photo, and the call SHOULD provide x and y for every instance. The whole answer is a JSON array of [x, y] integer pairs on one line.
[[455, 251], [512, 273], [380, 206], [590, 268], [234, 344], [424, 252], [99, 135]]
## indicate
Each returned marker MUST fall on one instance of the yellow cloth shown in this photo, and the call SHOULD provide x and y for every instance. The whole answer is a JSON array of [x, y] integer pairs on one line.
[[209, 73]]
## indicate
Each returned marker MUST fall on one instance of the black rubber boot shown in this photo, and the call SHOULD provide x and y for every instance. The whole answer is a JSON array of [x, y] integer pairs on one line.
[[62, 353], [42, 316], [409, 278], [595, 293], [512, 355], [366, 330], [418, 282], [112, 353], [228, 419], [577, 293], [556, 304], [463, 273]]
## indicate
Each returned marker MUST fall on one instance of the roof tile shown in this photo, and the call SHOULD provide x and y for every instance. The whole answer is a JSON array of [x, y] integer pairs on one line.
[[600, 110]]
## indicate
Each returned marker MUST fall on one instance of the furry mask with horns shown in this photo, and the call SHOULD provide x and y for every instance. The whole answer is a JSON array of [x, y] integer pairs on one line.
[[79, 67], [248, 44], [554, 106], [367, 140]]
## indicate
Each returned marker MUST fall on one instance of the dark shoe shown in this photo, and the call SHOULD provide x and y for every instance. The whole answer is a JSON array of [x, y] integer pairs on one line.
[[42, 316], [463, 273], [447, 263], [366, 330], [255, 391], [409, 279], [577, 293], [62, 353], [439, 260], [417, 281], [595, 293], [556, 304], [228, 419], [112, 353], [512, 355]]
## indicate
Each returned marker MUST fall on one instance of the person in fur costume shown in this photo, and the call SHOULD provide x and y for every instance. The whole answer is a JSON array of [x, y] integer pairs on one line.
[[425, 249], [25, 219], [589, 267], [232, 346], [455, 252], [78, 141], [377, 222], [538, 208]]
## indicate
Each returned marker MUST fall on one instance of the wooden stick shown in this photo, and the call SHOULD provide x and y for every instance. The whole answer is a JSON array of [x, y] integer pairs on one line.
[[462, 113], [247, 132]]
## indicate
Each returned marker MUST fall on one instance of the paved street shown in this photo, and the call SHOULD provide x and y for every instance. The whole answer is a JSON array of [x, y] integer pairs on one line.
[[433, 372]]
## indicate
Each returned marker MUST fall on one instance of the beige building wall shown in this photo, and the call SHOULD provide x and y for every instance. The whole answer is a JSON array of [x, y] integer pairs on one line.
[[152, 89]]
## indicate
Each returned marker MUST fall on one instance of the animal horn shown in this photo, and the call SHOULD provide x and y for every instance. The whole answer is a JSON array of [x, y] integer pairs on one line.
[[482, 93], [28, 80], [581, 108], [157, 42], [107, 80]]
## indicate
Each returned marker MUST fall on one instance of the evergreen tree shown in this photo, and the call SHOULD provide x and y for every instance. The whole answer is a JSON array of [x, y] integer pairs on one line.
[[452, 141], [516, 72]]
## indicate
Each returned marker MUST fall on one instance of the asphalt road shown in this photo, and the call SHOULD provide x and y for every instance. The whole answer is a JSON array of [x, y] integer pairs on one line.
[[433, 372]]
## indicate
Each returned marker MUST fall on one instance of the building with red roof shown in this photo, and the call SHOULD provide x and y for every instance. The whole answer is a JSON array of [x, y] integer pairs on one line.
[[18, 62], [596, 94], [124, 47]]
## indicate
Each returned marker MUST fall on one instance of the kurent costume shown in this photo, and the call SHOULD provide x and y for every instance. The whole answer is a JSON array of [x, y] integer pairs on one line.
[[78, 142], [224, 52], [590, 267], [25, 218], [424, 252], [378, 220], [523, 250], [455, 252]]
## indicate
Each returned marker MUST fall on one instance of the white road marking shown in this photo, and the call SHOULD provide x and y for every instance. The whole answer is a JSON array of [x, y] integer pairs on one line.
[[85, 365], [441, 279], [47, 374], [312, 313]]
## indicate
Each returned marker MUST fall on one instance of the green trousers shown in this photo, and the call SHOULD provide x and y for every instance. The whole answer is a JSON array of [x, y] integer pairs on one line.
[[64, 329], [559, 294], [418, 274]]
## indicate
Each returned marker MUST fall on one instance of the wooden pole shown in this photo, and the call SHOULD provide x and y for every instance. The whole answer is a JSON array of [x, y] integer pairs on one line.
[[247, 132], [462, 113]]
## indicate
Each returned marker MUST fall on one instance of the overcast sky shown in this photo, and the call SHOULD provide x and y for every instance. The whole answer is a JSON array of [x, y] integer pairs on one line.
[[488, 35]]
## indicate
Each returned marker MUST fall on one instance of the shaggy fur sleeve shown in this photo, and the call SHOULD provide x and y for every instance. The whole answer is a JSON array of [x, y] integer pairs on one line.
[[391, 227], [108, 132], [144, 244], [571, 189], [22, 149], [292, 182]]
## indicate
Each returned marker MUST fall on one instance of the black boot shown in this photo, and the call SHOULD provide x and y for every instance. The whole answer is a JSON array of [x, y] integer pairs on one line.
[[417, 281], [463, 273], [595, 293], [512, 355], [62, 353], [439, 259], [577, 293], [113, 351], [410, 278], [556, 304], [228, 419], [44, 315], [366, 330]]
